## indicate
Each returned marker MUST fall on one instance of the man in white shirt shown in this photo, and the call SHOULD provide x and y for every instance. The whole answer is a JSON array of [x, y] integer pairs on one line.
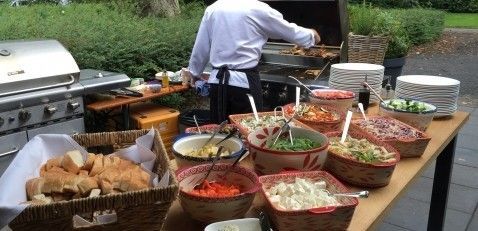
[[230, 37]]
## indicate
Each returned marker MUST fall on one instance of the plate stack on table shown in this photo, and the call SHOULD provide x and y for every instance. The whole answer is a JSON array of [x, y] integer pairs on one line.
[[349, 76], [440, 91]]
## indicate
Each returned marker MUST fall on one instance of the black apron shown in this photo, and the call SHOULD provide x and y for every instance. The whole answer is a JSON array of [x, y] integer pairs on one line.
[[233, 100]]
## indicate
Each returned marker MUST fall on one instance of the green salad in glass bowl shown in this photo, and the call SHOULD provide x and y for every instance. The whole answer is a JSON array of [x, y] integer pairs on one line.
[[415, 113]]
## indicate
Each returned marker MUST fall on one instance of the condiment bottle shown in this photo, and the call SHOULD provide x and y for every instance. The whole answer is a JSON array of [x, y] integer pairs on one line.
[[364, 96], [165, 79]]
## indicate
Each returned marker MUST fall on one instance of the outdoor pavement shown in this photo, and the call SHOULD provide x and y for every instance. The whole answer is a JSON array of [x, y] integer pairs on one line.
[[411, 211]]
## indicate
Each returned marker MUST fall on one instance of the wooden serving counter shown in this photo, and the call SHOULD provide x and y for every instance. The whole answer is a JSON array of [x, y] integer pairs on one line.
[[371, 211]]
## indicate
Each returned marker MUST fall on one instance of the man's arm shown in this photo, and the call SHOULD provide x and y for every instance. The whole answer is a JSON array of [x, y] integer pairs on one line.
[[275, 26], [200, 54]]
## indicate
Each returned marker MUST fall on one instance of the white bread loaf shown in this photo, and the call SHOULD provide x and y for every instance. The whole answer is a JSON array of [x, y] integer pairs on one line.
[[34, 187], [72, 161]]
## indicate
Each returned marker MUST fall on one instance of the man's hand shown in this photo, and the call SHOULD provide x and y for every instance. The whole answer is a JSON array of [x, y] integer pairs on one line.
[[316, 36]]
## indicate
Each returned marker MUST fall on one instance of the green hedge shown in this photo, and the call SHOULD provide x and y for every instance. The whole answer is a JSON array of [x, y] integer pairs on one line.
[[103, 38], [421, 25], [461, 6]]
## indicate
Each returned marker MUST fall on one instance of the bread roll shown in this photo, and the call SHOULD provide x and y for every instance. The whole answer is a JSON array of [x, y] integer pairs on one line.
[[87, 184], [106, 187], [97, 165], [58, 170], [89, 161], [42, 198], [60, 196], [55, 162], [70, 182], [73, 161], [34, 187], [53, 182]]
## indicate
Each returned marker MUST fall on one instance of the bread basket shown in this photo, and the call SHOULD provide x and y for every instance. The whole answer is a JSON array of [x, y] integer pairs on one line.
[[137, 210]]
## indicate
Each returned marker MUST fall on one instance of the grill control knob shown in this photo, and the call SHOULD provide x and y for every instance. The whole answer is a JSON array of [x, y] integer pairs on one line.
[[73, 105], [50, 109], [24, 115]]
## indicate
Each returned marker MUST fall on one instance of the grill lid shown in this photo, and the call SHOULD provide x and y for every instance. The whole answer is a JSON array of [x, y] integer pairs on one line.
[[35, 65]]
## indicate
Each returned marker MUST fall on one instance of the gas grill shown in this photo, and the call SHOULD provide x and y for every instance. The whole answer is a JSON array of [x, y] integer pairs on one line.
[[41, 91], [329, 18]]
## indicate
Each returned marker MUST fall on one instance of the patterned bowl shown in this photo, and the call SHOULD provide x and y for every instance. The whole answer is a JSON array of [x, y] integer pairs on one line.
[[212, 209], [325, 97], [267, 161], [191, 142], [321, 126], [323, 218], [358, 173]]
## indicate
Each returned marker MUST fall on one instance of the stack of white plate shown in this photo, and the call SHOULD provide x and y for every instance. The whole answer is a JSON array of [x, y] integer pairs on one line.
[[350, 76], [440, 91]]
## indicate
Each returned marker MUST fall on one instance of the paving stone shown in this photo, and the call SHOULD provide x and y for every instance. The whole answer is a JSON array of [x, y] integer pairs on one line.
[[468, 141], [473, 226], [430, 171], [389, 227], [460, 198], [413, 215], [456, 220], [464, 175], [467, 157], [467, 109], [410, 214], [469, 129]]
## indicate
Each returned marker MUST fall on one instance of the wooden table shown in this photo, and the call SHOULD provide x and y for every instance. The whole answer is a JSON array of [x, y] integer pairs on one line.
[[123, 102], [371, 211]]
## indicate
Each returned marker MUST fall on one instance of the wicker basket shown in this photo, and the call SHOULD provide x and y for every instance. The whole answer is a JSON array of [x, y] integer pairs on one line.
[[367, 49], [137, 210]]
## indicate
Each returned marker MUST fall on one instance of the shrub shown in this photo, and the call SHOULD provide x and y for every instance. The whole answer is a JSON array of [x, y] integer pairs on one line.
[[459, 6], [101, 38], [421, 25]]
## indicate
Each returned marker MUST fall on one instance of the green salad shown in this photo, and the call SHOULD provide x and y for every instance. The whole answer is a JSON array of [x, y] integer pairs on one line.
[[300, 144], [407, 105]]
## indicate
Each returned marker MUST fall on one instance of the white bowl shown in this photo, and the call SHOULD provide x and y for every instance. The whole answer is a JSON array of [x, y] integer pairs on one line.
[[246, 224], [187, 143]]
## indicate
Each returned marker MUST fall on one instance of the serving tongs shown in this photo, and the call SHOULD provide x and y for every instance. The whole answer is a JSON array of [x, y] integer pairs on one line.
[[218, 154], [285, 128], [217, 130], [359, 194]]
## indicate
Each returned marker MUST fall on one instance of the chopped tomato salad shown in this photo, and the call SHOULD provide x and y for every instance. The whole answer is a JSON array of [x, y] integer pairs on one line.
[[333, 94], [216, 189]]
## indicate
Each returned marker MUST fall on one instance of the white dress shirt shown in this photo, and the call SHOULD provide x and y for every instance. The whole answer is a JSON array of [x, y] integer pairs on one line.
[[233, 32]]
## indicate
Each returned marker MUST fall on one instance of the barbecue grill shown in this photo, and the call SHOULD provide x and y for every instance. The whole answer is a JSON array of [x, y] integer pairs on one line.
[[329, 18], [41, 89]]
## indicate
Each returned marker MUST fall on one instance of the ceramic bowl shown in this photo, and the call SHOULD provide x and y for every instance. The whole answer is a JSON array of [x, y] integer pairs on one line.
[[188, 143], [418, 120], [245, 224], [358, 173], [326, 97], [212, 209], [321, 126], [267, 161], [323, 218]]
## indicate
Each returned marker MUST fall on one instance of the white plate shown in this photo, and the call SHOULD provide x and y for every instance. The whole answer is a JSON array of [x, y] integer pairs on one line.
[[246, 224], [428, 80], [358, 66]]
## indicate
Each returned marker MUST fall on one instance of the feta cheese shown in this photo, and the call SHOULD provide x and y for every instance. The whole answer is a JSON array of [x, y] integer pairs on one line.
[[302, 194]]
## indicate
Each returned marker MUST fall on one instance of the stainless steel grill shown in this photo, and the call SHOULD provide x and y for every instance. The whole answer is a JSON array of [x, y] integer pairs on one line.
[[329, 17], [41, 91]]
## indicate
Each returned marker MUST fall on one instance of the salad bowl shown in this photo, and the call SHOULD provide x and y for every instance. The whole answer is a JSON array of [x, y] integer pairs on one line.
[[412, 112], [358, 172], [269, 161], [341, 99], [321, 118]]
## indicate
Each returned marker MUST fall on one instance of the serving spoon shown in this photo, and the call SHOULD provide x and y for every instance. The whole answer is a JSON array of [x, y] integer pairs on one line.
[[359, 194]]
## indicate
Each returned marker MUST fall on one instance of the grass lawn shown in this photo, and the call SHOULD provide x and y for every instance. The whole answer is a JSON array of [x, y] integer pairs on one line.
[[461, 20]]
